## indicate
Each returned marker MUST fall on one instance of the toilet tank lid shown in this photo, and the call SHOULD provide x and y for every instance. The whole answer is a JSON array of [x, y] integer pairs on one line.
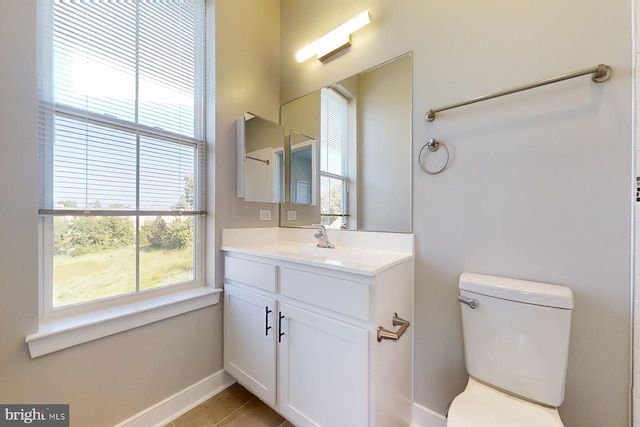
[[518, 290]]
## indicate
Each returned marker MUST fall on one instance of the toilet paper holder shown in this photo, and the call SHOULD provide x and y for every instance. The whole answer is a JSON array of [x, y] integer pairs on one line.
[[385, 334]]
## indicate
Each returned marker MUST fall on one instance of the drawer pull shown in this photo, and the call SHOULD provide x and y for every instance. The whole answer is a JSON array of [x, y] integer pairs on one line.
[[266, 320], [390, 335]]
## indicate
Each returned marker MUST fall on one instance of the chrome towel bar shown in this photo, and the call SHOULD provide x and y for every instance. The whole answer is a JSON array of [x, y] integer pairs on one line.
[[601, 73], [390, 335], [256, 159]]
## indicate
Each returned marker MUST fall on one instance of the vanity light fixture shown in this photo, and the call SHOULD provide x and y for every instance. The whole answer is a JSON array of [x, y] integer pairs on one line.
[[334, 41]]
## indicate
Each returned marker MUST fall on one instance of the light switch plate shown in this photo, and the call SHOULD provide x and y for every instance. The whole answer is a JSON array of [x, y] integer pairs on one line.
[[265, 215], [291, 215]]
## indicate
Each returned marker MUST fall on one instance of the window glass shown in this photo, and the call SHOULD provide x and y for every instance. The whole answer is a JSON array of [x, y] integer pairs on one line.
[[121, 92]]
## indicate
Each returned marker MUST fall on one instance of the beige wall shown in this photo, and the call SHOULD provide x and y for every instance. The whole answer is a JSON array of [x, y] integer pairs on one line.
[[539, 185], [109, 380], [247, 61]]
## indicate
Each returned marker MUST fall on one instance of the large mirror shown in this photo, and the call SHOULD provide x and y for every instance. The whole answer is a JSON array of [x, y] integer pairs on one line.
[[261, 159], [362, 125]]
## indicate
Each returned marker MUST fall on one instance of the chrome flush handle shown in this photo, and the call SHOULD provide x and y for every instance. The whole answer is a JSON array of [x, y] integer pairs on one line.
[[471, 302]]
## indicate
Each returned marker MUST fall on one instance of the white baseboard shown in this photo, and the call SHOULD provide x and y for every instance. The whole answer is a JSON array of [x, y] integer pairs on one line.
[[425, 417], [162, 413]]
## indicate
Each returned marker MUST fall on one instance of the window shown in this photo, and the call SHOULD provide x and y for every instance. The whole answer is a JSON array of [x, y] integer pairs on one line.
[[333, 158], [121, 88]]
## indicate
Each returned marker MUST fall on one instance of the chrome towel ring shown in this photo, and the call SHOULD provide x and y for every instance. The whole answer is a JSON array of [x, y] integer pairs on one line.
[[433, 146]]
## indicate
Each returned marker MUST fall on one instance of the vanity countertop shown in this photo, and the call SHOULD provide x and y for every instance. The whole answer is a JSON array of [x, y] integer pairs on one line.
[[360, 252]]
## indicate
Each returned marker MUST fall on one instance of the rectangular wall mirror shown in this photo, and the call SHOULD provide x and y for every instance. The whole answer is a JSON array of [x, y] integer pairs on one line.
[[362, 125], [261, 159]]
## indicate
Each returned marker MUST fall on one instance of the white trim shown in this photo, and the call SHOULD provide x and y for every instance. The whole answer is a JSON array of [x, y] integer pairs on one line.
[[63, 333], [162, 413], [425, 417], [240, 154]]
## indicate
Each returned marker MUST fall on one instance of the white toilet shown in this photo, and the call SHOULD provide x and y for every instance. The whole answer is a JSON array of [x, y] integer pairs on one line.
[[516, 343]]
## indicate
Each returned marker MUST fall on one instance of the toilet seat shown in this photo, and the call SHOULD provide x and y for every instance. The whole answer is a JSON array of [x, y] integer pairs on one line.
[[482, 406]]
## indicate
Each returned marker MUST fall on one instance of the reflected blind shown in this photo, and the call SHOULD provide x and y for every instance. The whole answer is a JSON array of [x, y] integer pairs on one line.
[[121, 97], [333, 132]]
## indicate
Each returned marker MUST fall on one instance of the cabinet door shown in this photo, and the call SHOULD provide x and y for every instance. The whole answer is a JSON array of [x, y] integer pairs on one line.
[[249, 341], [323, 370]]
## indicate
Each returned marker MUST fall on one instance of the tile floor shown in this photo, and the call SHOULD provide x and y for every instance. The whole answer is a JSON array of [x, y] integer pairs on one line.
[[234, 407]]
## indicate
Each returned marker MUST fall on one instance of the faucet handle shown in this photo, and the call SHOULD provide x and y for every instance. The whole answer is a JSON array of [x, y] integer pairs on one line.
[[321, 235], [321, 228]]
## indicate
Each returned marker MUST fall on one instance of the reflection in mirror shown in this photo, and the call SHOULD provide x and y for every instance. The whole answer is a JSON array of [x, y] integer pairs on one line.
[[303, 169], [261, 159], [363, 125]]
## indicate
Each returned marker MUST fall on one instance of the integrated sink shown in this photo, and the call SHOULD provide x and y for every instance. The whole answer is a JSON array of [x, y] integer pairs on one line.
[[312, 252], [315, 250]]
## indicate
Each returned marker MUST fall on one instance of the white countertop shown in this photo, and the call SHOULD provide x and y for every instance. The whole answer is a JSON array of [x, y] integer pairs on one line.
[[360, 252]]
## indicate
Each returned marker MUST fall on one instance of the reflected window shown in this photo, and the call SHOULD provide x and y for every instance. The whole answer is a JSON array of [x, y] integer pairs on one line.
[[334, 181]]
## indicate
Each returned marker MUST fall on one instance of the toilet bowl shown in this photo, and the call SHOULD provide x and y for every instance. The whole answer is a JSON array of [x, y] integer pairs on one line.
[[482, 406], [516, 344]]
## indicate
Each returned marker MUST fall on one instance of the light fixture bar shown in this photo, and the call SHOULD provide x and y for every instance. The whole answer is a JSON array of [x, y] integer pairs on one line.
[[335, 40]]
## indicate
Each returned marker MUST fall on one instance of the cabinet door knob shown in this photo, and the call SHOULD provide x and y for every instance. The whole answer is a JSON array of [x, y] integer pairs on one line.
[[280, 317], [266, 320]]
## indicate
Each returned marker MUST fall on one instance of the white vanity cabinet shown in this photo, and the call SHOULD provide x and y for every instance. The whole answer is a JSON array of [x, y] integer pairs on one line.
[[302, 337]]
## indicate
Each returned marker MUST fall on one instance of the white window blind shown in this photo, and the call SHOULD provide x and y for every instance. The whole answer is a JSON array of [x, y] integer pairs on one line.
[[333, 132], [121, 134], [122, 86]]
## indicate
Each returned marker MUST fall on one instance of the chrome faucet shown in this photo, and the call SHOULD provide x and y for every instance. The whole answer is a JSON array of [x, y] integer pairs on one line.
[[323, 239]]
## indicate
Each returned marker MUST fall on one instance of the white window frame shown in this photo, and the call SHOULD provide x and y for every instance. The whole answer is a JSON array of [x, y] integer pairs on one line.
[[67, 326]]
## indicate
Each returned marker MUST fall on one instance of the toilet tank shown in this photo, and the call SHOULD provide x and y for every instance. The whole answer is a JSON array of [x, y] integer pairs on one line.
[[517, 339]]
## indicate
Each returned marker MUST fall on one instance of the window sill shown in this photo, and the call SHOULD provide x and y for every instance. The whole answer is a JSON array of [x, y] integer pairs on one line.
[[64, 333]]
